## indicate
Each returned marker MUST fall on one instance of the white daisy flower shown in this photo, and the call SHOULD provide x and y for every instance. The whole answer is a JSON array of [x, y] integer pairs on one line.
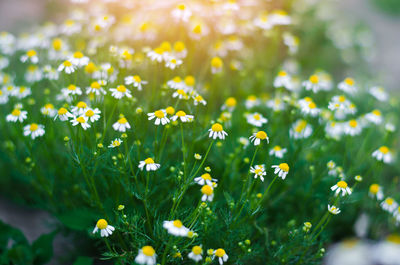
[[389, 204], [92, 114], [160, 116], [333, 209], [156, 55], [34, 130], [30, 56], [348, 85], [96, 88], [198, 99], [181, 94], [375, 191], [80, 108], [22, 92], [258, 137], [313, 83], [175, 83], [146, 256], [150, 165], [334, 129], [251, 102], [383, 154], [277, 151], [217, 131], [121, 125], [175, 228], [105, 229], [17, 115], [173, 63], [67, 67], [196, 253], [281, 170], [379, 93], [374, 116], [3, 97], [115, 143], [82, 120], [205, 179], [182, 116], [181, 13], [256, 119], [71, 90], [221, 255], [208, 193], [63, 114], [79, 60], [48, 110], [120, 92], [352, 127], [283, 79], [136, 81], [341, 186], [216, 65], [300, 129], [276, 104], [258, 171]]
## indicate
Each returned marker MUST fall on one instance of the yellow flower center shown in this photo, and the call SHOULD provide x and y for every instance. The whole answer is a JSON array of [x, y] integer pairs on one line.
[[206, 176], [207, 190], [353, 123], [258, 171], [181, 92], [349, 81], [95, 85], [376, 112], [16, 112], [342, 184], [179, 46], [384, 149], [32, 68], [122, 120], [81, 119], [282, 73], [149, 161], [284, 167], [220, 252], [197, 29], [180, 113], [102, 224], [277, 148], [170, 110], [62, 111], [182, 6], [67, 63], [137, 79], [312, 105], [177, 223], [31, 53], [71, 87], [177, 79], [216, 127], [33, 127], [314, 79], [49, 106], [148, 251], [389, 201], [121, 88], [57, 44], [257, 117], [261, 135], [173, 61], [116, 143], [78, 55], [89, 113], [301, 126], [159, 114], [374, 188], [189, 80], [81, 105], [199, 98], [197, 250], [216, 62]]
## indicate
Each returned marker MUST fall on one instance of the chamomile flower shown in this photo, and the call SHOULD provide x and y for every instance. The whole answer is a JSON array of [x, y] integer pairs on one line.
[[175, 228], [334, 129], [280, 17], [17, 115], [105, 229], [300, 129], [30, 56], [3, 97], [181, 13], [160, 116], [96, 88], [120, 92], [348, 85], [22, 92], [121, 125], [310, 108], [283, 79], [221, 255], [216, 65], [352, 127], [374, 116], [383, 154], [198, 99], [181, 94], [258, 137], [79, 60], [281, 170], [80, 108], [276, 104], [48, 110], [115, 143], [389, 204], [173, 63], [71, 90], [175, 83], [182, 116], [208, 193], [136, 81], [34, 130], [81, 120], [277, 151], [92, 114], [156, 55], [146, 256], [258, 171], [333, 209], [251, 102], [230, 104], [67, 67], [379, 93], [196, 253], [256, 119], [217, 131], [149, 164], [313, 83], [205, 179], [63, 114], [341, 186], [375, 191]]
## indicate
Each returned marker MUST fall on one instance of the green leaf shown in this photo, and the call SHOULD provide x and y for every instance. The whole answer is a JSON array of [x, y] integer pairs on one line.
[[43, 248], [83, 261]]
